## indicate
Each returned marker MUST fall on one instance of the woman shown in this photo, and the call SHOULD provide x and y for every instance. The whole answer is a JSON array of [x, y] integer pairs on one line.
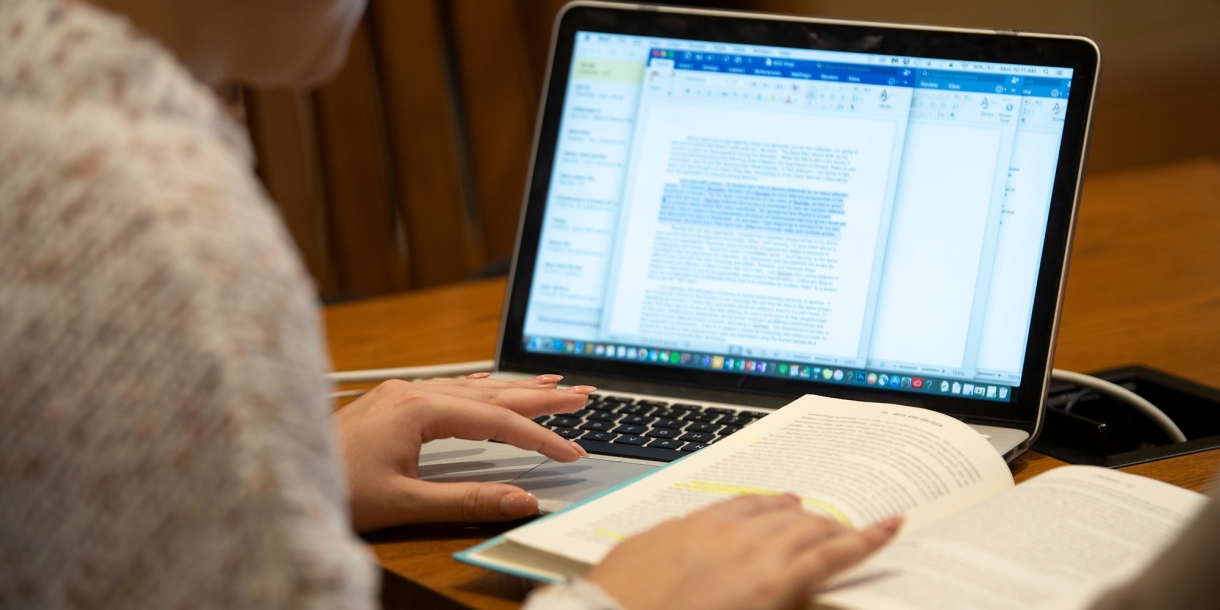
[[165, 440]]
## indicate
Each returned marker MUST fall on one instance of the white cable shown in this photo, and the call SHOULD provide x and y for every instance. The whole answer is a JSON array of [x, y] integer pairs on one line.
[[452, 369], [1124, 395]]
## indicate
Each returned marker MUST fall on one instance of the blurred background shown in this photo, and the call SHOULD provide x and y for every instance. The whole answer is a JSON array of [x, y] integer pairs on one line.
[[407, 171]]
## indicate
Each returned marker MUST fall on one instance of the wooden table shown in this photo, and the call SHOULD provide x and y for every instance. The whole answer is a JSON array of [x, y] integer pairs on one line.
[[1144, 288]]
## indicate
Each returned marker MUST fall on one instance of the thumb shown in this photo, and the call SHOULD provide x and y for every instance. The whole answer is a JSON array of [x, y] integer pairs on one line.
[[471, 501]]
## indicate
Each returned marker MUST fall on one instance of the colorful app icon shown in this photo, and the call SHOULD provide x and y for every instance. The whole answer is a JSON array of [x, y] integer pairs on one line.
[[622, 351], [599, 350], [557, 345], [827, 373], [705, 361], [895, 381], [838, 375], [906, 382], [917, 383], [739, 364], [1003, 393], [979, 390], [717, 362], [872, 379], [968, 389], [750, 366], [760, 367], [653, 354], [944, 386], [806, 371], [783, 369], [569, 347], [860, 377], [883, 379], [990, 391], [641, 354], [685, 359], [728, 364], [794, 370], [957, 388], [588, 348]]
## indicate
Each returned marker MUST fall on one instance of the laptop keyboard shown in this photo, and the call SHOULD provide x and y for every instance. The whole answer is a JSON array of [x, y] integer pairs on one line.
[[647, 429]]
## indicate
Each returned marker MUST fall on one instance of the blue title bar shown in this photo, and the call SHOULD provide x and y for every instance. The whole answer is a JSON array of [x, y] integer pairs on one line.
[[1004, 84], [1036, 86], [749, 65]]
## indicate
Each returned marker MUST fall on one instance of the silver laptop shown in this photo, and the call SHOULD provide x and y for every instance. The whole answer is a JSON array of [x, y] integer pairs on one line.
[[726, 211]]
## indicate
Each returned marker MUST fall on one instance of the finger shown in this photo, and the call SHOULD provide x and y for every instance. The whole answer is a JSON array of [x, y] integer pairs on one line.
[[805, 532], [467, 501], [843, 551], [471, 420], [749, 505], [530, 402], [485, 380]]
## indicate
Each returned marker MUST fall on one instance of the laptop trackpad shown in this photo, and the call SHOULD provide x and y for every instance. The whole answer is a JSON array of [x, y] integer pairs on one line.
[[556, 484]]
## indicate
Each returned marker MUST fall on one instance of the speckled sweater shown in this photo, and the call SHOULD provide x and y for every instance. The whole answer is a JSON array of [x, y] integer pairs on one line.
[[164, 433]]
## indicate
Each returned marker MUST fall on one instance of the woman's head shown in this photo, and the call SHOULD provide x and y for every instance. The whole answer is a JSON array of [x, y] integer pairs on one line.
[[261, 42]]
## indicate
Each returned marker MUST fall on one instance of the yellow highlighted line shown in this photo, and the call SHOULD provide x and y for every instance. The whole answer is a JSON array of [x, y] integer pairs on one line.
[[742, 490], [609, 534]]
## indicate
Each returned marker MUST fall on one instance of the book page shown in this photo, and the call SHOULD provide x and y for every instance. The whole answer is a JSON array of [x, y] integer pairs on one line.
[[852, 461], [1047, 539]]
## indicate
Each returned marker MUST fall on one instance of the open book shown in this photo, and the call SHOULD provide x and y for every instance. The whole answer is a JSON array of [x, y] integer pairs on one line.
[[972, 539]]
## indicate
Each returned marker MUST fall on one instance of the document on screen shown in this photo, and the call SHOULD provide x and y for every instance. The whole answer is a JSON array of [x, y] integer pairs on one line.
[[752, 227]]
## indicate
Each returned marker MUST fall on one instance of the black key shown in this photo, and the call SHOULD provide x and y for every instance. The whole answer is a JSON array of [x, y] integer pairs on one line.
[[620, 448], [604, 416], [605, 437], [595, 397], [702, 417], [631, 429], [727, 430], [583, 413], [542, 419], [632, 439], [700, 437], [668, 423], [603, 406], [601, 426], [698, 427], [754, 414], [666, 443], [568, 432], [637, 419], [669, 413], [663, 433], [651, 403], [720, 410], [693, 447], [678, 405], [732, 420], [620, 399], [636, 409], [563, 422]]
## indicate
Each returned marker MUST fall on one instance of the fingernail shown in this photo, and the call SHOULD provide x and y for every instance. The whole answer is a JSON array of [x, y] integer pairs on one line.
[[583, 389], [519, 504], [478, 375], [548, 378], [579, 449]]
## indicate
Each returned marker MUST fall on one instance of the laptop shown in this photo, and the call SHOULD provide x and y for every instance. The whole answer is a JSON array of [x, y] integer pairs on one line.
[[726, 211]]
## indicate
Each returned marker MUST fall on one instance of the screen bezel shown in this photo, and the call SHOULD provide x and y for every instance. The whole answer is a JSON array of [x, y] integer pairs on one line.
[[1077, 53]]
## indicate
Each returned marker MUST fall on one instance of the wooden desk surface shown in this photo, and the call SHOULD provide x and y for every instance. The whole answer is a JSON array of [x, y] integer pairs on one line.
[[1144, 288]]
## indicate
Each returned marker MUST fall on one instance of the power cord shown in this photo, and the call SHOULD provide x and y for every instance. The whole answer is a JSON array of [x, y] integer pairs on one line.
[[453, 369], [1121, 394]]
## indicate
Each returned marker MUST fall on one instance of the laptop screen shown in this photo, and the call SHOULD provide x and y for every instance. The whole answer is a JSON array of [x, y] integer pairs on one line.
[[845, 218]]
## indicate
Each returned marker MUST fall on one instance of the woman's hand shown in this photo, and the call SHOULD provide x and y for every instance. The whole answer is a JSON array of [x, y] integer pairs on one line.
[[382, 432], [759, 552]]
